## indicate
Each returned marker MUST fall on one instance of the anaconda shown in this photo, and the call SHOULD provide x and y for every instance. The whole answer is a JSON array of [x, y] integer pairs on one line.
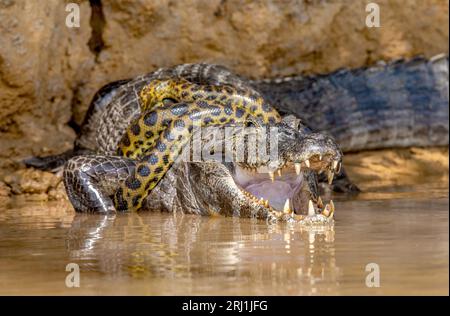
[[157, 137], [376, 103]]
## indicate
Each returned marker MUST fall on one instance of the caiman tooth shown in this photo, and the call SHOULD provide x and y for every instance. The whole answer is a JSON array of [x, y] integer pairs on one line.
[[307, 163], [335, 164], [298, 168], [286, 208], [272, 176], [279, 172], [326, 211], [330, 216], [266, 203], [320, 157], [330, 176], [311, 210], [319, 202]]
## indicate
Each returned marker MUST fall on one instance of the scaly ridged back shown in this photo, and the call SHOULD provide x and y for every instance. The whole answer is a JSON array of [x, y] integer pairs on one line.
[[399, 104]]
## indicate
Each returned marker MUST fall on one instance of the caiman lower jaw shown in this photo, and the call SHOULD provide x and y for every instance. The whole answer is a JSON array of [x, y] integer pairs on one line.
[[280, 194]]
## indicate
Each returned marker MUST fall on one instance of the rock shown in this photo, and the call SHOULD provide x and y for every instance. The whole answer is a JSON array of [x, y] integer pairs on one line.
[[5, 191], [397, 167], [37, 197], [58, 193], [5, 194], [35, 185], [42, 64], [31, 181]]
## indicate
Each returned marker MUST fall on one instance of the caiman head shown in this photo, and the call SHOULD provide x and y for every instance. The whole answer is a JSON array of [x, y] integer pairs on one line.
[[281, 184]]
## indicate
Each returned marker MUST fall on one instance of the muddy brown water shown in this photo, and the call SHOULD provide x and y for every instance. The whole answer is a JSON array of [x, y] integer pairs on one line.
[[404, 230]]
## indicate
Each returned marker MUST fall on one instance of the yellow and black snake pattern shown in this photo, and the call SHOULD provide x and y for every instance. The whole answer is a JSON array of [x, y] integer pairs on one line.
[[170, 110]]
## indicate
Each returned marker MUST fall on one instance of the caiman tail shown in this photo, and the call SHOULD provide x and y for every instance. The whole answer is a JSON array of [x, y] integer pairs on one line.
[[399, 104]]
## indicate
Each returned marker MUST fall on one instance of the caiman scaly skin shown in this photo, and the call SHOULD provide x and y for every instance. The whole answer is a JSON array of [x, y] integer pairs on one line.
[[396, 104], [335, 102]]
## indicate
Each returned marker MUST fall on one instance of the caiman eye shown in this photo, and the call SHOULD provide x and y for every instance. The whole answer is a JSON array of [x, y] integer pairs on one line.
[[169, 101]]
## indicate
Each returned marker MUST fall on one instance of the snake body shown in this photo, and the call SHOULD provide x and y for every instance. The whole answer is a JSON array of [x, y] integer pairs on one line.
[[170, 110]]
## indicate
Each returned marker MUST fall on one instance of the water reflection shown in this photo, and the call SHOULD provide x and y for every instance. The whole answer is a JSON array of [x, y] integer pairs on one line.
[[185, 246], [405, 232]]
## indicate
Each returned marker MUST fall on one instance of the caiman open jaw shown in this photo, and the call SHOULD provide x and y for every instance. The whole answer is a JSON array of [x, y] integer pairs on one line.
[[285, 193], [289, 185], [283, 187]]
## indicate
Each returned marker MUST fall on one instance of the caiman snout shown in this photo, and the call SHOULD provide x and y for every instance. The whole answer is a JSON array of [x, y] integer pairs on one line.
[[289, 184], [315, 151]]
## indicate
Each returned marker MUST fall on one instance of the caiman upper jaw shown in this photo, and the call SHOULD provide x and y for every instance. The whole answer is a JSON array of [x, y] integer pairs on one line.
[[316, 151], [318, 163], [286, 187]]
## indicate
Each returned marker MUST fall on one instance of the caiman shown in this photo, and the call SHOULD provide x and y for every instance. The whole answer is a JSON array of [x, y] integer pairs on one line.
[[127, 153]]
